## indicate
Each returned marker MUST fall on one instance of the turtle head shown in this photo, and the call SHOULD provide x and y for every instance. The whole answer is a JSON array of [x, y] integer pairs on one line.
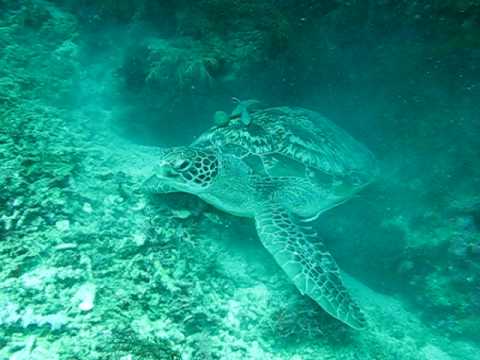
[[188, 169]]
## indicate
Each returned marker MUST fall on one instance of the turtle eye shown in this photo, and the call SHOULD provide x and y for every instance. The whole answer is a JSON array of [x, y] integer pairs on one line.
[[181, 164]]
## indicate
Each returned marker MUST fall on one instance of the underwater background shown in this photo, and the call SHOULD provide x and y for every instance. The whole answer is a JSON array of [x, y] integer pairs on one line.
[[93, 267]]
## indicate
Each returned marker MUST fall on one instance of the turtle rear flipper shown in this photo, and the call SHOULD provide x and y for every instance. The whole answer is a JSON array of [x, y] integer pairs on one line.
[[306, 262]]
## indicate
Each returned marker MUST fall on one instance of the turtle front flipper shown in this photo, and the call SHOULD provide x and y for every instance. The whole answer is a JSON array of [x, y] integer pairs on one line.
[[304, 259], [155, 185]]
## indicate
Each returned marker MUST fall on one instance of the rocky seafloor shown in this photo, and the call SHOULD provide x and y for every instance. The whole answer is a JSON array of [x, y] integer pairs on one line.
[[92, 267]]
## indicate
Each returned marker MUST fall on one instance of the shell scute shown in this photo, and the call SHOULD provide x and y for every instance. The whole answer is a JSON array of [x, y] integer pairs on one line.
[[286, 139]]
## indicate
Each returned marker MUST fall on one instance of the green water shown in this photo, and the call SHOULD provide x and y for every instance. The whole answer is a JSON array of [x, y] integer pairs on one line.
[[93, 266]]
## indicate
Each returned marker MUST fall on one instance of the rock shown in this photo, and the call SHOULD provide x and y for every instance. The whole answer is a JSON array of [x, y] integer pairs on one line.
[[85, 295], [139, 239], [432, 352], [65, 246], [62, 225], [87, 207], [181, 214], [38, 278]]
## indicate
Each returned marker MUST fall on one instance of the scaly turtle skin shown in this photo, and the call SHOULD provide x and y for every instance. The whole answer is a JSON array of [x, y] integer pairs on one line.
[[284, 168]]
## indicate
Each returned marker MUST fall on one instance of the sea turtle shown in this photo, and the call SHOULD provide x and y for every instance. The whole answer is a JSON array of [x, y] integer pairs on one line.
[[283, 169]]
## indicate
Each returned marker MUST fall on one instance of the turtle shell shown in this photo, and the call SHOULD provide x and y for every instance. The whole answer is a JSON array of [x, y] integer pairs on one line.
[[286, 141]]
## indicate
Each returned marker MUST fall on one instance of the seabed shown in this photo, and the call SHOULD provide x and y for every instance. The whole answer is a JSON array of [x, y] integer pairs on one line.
[[94, 268]]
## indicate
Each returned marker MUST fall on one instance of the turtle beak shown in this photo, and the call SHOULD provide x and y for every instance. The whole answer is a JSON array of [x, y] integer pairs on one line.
[[165, 170]]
